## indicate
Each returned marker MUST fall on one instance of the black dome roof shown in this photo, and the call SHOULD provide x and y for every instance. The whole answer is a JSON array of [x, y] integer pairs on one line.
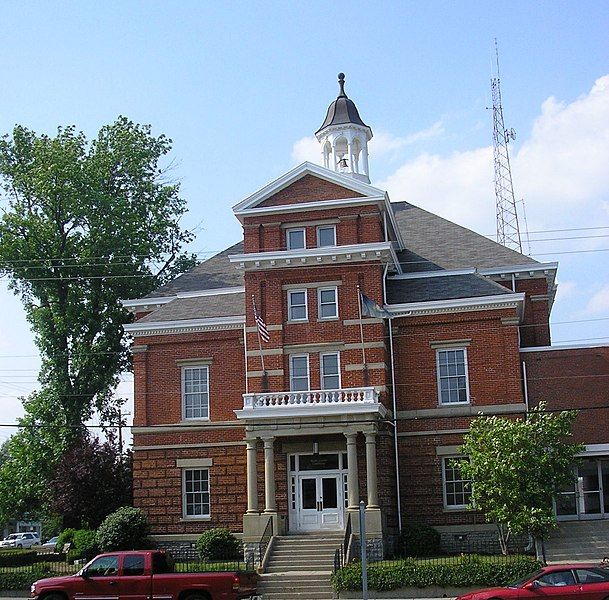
[[342, 110]]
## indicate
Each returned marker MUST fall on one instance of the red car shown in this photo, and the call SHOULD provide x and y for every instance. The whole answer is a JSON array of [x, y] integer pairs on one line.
[[564, 582]]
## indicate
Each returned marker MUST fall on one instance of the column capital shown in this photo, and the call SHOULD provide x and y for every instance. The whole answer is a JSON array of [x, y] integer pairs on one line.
[[268, 442]]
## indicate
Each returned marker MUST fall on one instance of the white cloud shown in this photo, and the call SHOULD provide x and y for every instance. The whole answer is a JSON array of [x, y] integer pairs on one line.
[[565, 290], [599, 303], [561, 170], [307, 149]]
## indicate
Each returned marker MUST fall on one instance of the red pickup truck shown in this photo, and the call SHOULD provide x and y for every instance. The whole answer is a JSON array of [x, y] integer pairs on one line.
[[144, 575]]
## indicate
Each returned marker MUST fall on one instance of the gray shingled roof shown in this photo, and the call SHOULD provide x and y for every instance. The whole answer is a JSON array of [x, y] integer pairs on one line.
[[200, 307], [214, 273], [448, 287], [434, 242]]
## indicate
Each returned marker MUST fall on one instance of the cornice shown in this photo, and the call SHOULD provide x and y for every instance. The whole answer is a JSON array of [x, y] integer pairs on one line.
[[382, 251], [184, 326], [434, 307], [159, 301]]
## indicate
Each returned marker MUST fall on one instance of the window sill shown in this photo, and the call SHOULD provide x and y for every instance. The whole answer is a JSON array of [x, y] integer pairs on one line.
[[449, 404], [195, 420], [194, 519], [455, 509], [328, 319], [296, 321]]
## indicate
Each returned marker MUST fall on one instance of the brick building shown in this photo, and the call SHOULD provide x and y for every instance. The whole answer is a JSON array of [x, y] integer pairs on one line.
[[383, 329]]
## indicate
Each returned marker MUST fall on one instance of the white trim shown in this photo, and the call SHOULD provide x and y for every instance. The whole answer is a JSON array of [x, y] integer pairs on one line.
[[564, 347], [412, 309], [334, 289], [193, 294], [289, 230], [184, 326], [314, 205], [331, 226], [525, 268], [439, 273], [297, 173], [185, 516], [281, 259], [292, 357], [595, 450], [184, 368], [291, 305], [439, 379], [194, 463], [321, 369]]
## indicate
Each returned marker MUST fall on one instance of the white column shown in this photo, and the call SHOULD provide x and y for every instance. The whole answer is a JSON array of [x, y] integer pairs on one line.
[[371, 479], [350, 155], [365, 159], [252, 483], [352, 479], [334, 161], [270, 503]]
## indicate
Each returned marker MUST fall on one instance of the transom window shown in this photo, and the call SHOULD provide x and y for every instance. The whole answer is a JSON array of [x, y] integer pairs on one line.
[[457, 490], [326, 236], [196, 492], [195, 392], [299, 372], [297, 305], [330, 371], [327, 302], [296, 239], [453, 385]]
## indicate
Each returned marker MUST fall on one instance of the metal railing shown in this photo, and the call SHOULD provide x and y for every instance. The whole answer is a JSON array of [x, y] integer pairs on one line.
[[342, 555], [363, 395], [265, 542]]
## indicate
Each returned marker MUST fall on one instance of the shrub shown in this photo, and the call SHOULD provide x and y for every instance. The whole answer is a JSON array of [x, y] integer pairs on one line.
[[22, 580], [218, 544], [65, 537], [17, 558], [125, 529], [85, 542], [468, 571], [419, 539]]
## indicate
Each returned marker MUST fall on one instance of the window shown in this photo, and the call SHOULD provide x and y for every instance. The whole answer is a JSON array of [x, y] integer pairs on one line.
[[592, 575], [457, 490], [327, 301], [297, 305], [330, 371], [196, 493], [326, 236], [452, 376], [295, 239], [133, 564], [557, 578], [195, 392], [299, 372], [104, 566]]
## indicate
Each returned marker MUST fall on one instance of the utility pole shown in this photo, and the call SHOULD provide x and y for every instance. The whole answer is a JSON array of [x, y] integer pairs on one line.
[[508, 231]]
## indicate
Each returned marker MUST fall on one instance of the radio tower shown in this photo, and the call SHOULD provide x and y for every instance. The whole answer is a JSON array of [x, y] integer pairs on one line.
[[508, 232]]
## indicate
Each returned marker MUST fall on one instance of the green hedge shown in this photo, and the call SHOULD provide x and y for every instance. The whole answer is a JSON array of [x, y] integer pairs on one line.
[[17, 558], [22, 580], [468, 571]]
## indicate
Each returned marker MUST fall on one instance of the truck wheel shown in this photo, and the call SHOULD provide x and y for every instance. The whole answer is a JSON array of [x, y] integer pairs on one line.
[[54, 597], [201, 596]]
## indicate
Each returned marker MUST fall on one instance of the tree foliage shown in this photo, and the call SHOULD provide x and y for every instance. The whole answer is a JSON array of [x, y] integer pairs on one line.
[[125, 529], [91, 480], [84, 225], [517, 467]]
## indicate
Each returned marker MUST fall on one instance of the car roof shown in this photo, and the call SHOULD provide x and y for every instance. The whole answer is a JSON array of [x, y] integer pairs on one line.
[[562, 567]]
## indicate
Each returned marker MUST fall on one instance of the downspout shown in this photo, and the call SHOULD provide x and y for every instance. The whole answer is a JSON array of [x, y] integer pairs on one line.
[[394, 407], [526, 385], [385, 225], [245, 351]]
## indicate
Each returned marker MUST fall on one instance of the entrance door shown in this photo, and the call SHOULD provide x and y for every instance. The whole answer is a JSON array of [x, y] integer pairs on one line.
[[319, 507], [588, 496]]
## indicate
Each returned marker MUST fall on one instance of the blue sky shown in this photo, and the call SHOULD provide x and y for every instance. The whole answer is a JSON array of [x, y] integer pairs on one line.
[[240, 88]]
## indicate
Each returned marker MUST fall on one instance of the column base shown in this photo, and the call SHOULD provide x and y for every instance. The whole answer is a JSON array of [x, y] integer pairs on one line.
[[254, 526]]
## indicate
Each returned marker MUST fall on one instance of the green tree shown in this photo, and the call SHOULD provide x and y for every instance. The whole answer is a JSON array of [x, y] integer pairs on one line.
[[517, 467], [84, 225]]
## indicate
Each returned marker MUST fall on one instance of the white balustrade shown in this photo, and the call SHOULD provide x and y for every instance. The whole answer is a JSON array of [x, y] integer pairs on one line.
[[319, 398]]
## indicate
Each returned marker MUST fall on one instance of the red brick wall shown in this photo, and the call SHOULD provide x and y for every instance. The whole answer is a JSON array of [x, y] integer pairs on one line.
[[307, 189], [577, 378]]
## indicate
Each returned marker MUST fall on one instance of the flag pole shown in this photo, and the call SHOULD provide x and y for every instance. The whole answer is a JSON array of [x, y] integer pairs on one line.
[[361, 334], [259, 340]]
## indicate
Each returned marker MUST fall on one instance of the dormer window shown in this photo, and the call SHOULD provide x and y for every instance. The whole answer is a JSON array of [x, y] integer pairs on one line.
[[295, 239], [326, 236]]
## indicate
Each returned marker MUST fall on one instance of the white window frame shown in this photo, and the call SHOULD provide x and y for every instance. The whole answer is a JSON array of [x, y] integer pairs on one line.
[[185, 514], [292, 357], [448, 506], [327, 289], [287, 237], [291, 305], [183, 377], [438, 378], [318, 229], [321, 370]]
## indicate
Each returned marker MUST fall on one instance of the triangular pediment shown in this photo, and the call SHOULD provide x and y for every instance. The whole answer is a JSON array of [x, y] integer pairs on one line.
[[304, 184]]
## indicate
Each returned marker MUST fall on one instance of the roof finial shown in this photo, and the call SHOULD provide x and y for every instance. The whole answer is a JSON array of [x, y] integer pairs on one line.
[[341, 83]]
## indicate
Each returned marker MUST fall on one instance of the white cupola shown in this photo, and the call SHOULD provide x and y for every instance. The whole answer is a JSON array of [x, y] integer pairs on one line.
[[344, 137]]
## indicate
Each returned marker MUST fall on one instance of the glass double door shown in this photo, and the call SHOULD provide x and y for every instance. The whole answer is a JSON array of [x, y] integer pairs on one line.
[[319, 504], [588, 496]]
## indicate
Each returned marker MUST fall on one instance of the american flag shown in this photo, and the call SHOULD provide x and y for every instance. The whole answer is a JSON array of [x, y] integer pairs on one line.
[[262, 330]]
